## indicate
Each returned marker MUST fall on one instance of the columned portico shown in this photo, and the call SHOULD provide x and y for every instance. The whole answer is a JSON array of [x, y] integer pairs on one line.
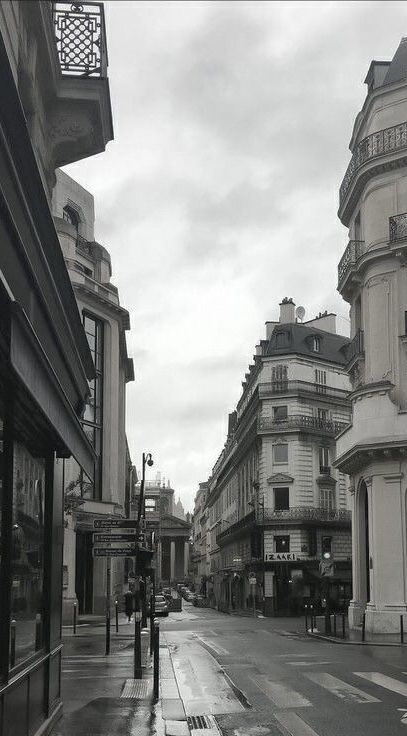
[[172, 559], [173, 549]]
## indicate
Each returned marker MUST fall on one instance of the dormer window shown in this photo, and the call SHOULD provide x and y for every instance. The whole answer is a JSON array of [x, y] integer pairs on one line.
[[316, 344], [281, 340], [70, 215]]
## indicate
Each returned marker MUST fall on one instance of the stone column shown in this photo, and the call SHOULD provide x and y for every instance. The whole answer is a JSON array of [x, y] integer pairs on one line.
[[356, 605], [172, 559], [186, 559]]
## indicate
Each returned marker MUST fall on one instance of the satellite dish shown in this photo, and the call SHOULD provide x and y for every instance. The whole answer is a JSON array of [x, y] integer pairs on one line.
[[300, 313]]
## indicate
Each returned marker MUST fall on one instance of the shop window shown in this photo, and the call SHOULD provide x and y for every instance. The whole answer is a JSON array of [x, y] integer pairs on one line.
[[27, 555], [280, 413], [282, 544], [280, 454], [281, 499], [312, 542]]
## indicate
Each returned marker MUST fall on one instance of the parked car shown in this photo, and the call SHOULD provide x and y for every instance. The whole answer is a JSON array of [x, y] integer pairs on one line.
[[197, 599], [160, 605]]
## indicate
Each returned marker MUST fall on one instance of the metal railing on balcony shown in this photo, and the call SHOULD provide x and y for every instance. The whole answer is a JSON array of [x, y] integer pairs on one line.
[[84, 246], [302, 422], [246, 521], [353, 252], [81, 38], [374, 145], [398, 227], [286, 387], [325, 470], [355, 347], [304, 513]]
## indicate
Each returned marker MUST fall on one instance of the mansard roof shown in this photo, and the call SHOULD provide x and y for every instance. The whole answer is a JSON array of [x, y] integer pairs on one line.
[[299, 339], [398, 66]]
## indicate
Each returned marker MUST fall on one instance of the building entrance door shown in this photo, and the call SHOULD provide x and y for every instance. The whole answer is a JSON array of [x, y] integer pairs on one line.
[[84, 572]]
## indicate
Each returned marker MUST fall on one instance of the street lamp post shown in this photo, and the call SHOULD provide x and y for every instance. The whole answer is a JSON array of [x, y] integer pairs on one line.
[[147, 459]]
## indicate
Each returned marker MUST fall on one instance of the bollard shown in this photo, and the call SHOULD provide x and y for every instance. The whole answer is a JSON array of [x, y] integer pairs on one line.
[[75, 613], [137, 646], [312, 619], [107, 648], [306, 619], [343, 626], [152, 612], [38, 632], [156, 688], [116, 603], [13, 624], [363, 626], [143, 592], [401, 629]]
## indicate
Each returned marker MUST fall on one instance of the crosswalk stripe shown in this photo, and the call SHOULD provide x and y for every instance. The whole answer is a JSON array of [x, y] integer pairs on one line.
[[281, 695], [307, 664], [341, 689], [294, 724], [396, 686]]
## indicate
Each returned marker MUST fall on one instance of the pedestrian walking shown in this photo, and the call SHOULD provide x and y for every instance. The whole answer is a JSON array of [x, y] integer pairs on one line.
[[129, 605]]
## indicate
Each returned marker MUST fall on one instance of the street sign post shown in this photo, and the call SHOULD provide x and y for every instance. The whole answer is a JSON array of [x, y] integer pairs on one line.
[[114, 551], [115, 524], [99, 538]]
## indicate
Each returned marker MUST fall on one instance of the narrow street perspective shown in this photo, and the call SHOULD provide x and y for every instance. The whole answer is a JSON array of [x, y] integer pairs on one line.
[[203, 368]]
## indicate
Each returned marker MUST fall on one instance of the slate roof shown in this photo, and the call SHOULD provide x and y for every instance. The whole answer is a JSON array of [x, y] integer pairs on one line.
[[398, 67], [299, 341]]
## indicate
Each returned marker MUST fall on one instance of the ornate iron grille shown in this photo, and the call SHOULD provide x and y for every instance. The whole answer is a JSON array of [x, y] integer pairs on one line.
[[303, 422], [376, 144], [398, 227], [308, 513], [80, 38], [353, 252]]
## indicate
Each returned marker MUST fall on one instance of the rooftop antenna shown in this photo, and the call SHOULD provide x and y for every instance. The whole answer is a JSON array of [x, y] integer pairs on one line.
[[300, 313]]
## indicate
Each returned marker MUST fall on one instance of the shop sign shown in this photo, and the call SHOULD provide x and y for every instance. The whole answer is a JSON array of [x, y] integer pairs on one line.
[[281, 557], [114, 551], [115, 524]]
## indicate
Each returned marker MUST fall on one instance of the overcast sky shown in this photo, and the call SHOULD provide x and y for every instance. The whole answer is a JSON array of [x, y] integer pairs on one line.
[[219, 194]]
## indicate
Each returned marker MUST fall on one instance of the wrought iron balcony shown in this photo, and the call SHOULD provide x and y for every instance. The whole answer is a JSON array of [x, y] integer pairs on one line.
[[81, 38], [299, 387], [355, 347], [353, 252], [374, 145], [302, 422], [325, 470], [305, 513], [398, 227], [234, 529]]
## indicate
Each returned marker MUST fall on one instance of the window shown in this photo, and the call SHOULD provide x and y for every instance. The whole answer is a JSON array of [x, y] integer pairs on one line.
[[320, 380], [279, 378], [281, 499], [149, 504], [93, 414], [324, 459], [70, 215], [27, 555], [282, 544], [281, 339], [327, 499], [280, 453], [326, 546], [316, 344], [357, 227], [280, 413], [312, 542]]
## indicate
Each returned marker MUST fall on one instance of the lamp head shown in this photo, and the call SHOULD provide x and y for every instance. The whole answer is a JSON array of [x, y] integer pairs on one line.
[[149, 460]]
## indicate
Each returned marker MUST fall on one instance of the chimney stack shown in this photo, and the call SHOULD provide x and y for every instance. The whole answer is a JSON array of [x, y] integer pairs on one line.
[[287, 311]]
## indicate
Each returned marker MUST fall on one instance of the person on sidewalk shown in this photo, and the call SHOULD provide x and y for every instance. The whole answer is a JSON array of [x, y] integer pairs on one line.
[[129, 605]]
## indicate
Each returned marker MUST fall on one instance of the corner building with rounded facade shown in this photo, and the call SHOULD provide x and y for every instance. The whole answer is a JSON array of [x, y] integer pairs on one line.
[[372, 278]]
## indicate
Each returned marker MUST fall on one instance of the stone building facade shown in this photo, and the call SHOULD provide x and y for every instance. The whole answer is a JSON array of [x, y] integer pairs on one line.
[[275, 501], [105, 322], [372, 278], [54, 111], [200, 553]]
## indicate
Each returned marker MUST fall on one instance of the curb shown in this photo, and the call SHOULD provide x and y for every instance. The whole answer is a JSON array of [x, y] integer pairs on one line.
[[334, 640]]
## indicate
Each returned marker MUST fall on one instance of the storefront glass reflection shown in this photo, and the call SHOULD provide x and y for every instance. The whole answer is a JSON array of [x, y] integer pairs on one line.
[[27, 555]]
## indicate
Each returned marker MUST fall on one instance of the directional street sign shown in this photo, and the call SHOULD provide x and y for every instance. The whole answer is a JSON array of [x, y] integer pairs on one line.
[[115, 524], [98, 538], [114, 551]]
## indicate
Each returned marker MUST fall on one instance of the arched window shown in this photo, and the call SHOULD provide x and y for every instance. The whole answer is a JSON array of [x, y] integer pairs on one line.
[[70, 215]]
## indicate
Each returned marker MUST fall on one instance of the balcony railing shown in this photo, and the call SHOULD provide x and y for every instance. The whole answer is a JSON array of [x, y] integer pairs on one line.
[[287, 387], [246, 521], [81, 38], [304, 513], [353, 252], [355, 347], [398, 227], [325, 470], [373, 146], [302, 422], [86, 247]]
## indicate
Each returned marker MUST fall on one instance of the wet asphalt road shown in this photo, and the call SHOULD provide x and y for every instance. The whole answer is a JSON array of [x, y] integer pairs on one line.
[[289, 683], [258, 677]]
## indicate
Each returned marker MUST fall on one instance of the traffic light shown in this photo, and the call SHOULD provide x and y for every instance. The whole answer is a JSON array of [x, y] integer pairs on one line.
[[326, 548]]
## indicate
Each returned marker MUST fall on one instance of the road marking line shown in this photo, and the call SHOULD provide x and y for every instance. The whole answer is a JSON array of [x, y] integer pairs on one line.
[[294, 724], [340, 688], [281, 695], [396, 686], [307, 664]]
